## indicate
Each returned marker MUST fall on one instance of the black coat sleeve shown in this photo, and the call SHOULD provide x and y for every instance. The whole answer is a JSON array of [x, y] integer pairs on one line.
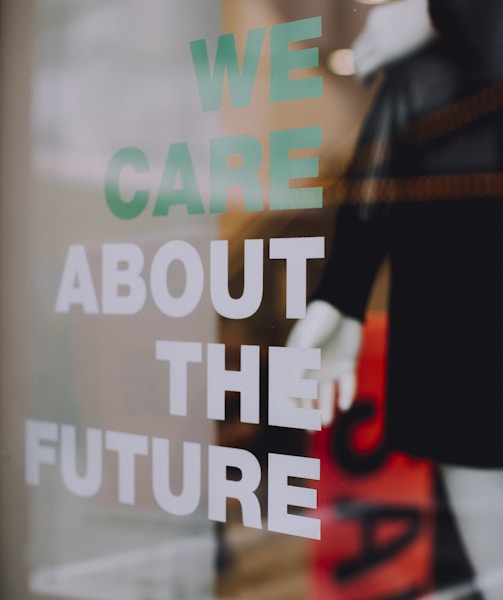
[[362, 224]]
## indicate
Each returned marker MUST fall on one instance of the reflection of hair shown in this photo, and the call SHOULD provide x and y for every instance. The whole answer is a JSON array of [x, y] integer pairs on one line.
[[457, 115], [364, 182], [426, 188]]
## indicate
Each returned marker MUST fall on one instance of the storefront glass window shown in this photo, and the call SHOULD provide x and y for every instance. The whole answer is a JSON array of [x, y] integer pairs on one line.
[[211, 213]]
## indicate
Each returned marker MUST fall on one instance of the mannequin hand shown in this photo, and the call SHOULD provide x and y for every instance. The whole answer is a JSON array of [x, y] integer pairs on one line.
[[391, 31], [339, 338]]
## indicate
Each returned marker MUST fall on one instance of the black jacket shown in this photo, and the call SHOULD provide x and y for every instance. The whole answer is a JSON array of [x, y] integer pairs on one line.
[[425, 189]]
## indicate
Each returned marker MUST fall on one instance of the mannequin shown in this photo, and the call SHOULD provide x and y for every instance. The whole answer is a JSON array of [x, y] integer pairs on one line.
[[444, 241], [392, 31]]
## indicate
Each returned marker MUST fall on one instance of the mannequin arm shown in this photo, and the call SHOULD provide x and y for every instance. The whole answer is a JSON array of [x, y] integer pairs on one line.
[[391, 32], [339, 338]]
